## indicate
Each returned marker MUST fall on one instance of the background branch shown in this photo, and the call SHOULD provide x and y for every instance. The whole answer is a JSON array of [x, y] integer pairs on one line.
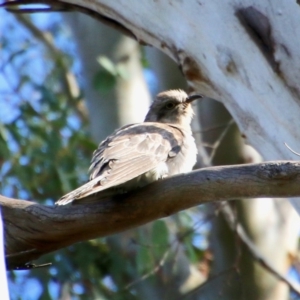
[[254, 251], [32, 230]]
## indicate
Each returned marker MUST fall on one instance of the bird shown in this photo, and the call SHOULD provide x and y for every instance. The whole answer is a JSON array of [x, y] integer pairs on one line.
[[138, 154]]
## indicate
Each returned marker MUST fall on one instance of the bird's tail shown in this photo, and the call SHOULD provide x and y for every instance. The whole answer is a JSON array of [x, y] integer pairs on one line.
[[81, 192]]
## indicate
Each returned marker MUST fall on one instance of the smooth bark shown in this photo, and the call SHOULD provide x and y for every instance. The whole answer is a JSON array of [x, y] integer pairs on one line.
[[41, 229]]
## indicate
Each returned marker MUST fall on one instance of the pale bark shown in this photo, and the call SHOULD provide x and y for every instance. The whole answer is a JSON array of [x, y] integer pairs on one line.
[[41, 229]]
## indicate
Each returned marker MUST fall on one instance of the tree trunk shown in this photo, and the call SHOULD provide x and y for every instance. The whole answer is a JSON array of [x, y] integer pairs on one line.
[[128, 100], [270, 223]]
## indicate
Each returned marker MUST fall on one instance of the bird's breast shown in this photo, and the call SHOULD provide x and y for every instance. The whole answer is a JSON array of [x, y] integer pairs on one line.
[[185, 160]]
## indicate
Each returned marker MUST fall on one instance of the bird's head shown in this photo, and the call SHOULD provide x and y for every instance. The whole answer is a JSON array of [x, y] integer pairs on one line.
[[173, 107]]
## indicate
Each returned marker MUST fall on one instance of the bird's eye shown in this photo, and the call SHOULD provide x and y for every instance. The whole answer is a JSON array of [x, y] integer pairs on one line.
[[170, 105]]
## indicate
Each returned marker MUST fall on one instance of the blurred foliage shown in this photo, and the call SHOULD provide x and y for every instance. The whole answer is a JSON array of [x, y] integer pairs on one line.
[[45, 149], [106, 78]]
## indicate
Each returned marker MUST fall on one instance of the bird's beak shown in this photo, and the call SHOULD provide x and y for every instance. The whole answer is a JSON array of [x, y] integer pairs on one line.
[[191, 98]]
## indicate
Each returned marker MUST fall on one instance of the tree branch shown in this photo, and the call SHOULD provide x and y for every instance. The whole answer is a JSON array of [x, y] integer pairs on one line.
[[254, 251], [32, 230]]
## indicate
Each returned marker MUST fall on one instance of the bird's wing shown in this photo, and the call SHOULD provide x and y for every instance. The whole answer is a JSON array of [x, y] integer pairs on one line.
[[127, 154]]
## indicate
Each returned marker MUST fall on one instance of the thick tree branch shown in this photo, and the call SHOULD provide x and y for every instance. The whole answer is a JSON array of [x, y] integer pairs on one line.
[[32, 230]]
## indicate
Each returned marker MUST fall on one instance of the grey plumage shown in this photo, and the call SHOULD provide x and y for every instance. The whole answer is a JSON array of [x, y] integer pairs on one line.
[[138, 154]]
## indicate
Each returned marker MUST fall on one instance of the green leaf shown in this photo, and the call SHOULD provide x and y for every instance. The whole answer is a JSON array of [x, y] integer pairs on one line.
[[185, 220], [104, 81], [3, 132], [192, 254], [63, 178], [160, 238], [4, 150], [144, 260], [144, 61], [107, 64]]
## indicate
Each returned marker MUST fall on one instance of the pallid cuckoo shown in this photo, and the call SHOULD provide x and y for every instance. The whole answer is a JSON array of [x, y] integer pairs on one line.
[[138, 154]]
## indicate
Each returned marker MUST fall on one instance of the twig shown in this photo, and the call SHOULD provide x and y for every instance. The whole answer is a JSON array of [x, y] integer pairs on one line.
[[229, 216], [153, 271], [298, 154], [30, 266], [219, 140]]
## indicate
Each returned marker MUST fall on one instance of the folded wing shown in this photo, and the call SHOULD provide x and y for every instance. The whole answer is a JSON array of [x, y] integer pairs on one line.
[[128, 153]]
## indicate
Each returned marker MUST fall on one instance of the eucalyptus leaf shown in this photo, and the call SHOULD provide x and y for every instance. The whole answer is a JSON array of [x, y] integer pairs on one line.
[[104, 81], [107, 64], [160, 238]]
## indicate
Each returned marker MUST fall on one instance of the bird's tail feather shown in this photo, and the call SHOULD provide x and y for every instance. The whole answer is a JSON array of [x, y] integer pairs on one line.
[[81, 192]]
